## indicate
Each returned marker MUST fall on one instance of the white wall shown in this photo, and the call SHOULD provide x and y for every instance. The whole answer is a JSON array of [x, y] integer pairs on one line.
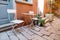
[[41, 5]]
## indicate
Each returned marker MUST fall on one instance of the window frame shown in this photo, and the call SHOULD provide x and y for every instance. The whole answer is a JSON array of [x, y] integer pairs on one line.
[[5, 0], [23, 1]]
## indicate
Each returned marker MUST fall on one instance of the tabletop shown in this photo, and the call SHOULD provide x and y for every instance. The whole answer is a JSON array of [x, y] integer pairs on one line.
[[29, 13]]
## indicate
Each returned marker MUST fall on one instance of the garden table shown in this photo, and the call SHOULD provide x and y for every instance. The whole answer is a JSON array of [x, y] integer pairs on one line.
[[31, 16]]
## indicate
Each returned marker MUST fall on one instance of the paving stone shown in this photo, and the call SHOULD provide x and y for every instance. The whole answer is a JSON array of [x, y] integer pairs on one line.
[[57, 32], [51, 29], [52, 36], [57, 37], [26, 35], [36, 29], [51, 32], [37, 33], [45, 32], [47, 24], [47, 28], [27, 30], [48, 38], [36, 37]]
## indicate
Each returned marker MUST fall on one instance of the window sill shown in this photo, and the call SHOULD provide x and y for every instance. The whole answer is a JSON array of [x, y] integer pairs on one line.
[[11, 10], [25, 2]]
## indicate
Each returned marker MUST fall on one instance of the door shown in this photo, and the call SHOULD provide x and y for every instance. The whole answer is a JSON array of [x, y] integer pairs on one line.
[[3, 12]]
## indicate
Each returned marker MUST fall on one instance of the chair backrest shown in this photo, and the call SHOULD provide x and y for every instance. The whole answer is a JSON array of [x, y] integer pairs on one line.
[[3, 14]]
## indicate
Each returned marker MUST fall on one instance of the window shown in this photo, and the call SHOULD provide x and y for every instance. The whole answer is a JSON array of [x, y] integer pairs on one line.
[[5, 0], [25, 1], [28, 1]]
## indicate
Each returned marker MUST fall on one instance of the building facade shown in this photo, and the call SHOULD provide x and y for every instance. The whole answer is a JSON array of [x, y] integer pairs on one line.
[[6, 14], [14, 9], [24, 6]]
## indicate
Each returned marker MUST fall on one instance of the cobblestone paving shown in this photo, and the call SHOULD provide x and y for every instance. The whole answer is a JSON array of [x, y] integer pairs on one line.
[[50, 32]]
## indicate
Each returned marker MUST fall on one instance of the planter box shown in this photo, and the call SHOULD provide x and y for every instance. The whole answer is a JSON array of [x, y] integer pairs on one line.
[[50, 17]]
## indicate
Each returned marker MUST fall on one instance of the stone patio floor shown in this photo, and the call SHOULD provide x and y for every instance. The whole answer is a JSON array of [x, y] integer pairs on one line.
[[50, 32]]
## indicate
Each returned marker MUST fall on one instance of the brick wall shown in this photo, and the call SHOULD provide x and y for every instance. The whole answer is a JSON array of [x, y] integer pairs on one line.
[[45, 7], [25, 8], [55, 10]]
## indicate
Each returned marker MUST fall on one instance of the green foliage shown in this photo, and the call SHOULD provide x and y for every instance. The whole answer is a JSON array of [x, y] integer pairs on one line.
[[40, 20], [38, 16]]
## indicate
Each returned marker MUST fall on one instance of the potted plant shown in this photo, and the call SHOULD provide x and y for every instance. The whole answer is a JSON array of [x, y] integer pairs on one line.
[[38, 16], [41, 21]]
